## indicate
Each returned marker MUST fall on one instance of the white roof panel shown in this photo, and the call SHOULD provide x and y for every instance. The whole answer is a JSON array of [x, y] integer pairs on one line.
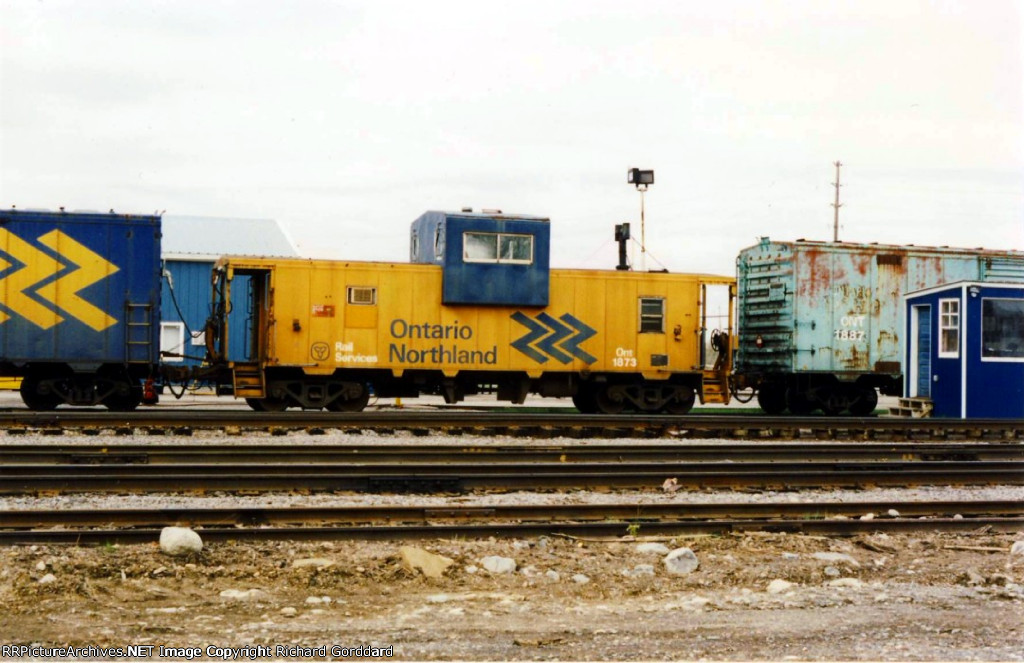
[[206, 237]]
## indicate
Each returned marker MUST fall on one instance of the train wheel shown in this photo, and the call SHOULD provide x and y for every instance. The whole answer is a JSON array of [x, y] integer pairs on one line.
[[609, 402], [271, 404], [35, 400], [585, 400], [798, 402], [864, 402], [833, 401], [772, 398], [680, 403], [350, 404], [127, 397]]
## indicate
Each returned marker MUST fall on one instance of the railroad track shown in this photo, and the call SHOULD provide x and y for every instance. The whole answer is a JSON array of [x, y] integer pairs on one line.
[[459, 477], [418, 522], [165, 421], [157, 453]]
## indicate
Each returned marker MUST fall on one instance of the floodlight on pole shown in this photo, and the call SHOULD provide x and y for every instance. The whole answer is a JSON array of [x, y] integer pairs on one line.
[[641, 179]]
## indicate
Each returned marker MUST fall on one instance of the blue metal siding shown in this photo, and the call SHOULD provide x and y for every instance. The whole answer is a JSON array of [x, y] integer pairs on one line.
[[995, 389], [192, 289], [60, 299]]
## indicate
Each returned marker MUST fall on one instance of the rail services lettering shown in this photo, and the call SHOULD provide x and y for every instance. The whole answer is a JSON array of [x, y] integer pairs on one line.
[[441, 353]]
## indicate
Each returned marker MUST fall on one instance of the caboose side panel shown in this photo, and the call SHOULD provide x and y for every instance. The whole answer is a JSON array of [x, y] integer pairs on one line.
[[385, 325]]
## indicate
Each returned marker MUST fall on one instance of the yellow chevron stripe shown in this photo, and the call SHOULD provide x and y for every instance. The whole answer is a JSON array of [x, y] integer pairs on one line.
[[38, 266], [64, 291]]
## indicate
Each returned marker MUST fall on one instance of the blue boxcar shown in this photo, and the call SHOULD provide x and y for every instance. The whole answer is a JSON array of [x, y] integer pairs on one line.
[[820, 323], [79, 305]]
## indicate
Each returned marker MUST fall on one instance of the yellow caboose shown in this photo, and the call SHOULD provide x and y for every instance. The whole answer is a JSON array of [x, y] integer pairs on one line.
[[478, 310]]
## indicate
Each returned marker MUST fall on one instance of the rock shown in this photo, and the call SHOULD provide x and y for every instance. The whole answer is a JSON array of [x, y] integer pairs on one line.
[[832, 572], [778, 586], [243, 595], [868, 516], [497, 564], [289, 612], [580, 579], [1017, 549], [841, 558], [639, 570], [315, 562], [845, 582], [971, 577], [431, 565], [47, 579], [681, 562], [652, 548], [41, 566], [180, 541], [893, 513], [790, 556], [552, 576]]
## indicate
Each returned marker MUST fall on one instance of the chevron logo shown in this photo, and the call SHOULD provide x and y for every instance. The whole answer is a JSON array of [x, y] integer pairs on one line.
[[23, 290], [547, 337]]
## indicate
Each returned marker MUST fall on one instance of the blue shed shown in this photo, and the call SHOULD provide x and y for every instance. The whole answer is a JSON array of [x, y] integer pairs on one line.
[[966, 349], [191, 245]]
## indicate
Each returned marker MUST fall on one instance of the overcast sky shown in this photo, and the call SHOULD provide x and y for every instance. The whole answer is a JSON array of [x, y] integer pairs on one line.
[[345, 120]]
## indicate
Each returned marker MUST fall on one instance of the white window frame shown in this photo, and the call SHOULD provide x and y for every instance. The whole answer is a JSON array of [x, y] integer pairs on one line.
[[949, 320], [178, 328], [497, 259], [984, 358]]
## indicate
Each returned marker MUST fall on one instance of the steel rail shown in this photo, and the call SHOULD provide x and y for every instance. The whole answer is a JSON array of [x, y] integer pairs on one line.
[[453, 421], [159, 453], [425, 478]]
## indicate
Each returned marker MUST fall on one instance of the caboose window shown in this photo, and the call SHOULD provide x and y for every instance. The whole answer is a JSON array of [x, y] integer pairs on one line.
[[360, 295], [949, 328], [497, 248], [1002, 329], [652, 315]]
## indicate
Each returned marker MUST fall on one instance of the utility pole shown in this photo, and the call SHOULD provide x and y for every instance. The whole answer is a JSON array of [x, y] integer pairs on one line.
[[836, 205]]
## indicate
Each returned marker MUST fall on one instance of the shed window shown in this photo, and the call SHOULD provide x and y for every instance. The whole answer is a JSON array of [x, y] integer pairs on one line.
[[1002, 329], [360, 295], [949, 328], [172, 340], [498, 248], [652, 315]]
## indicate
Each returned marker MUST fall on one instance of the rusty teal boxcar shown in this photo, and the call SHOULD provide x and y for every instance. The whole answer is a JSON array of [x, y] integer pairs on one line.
[[820, 323], [79, 305]]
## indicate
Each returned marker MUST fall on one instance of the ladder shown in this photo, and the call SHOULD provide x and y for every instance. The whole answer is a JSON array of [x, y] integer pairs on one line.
[[139, 333], [248, 380], [715, 387]]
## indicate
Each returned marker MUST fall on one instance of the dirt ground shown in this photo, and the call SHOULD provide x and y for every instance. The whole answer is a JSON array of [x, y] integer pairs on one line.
[[933, 597]]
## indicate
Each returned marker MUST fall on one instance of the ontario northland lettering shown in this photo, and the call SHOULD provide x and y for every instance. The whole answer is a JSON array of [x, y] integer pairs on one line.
[[445, 351]]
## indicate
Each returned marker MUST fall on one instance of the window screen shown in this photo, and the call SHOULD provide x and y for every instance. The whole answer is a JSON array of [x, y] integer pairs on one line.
[[652, 314]]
